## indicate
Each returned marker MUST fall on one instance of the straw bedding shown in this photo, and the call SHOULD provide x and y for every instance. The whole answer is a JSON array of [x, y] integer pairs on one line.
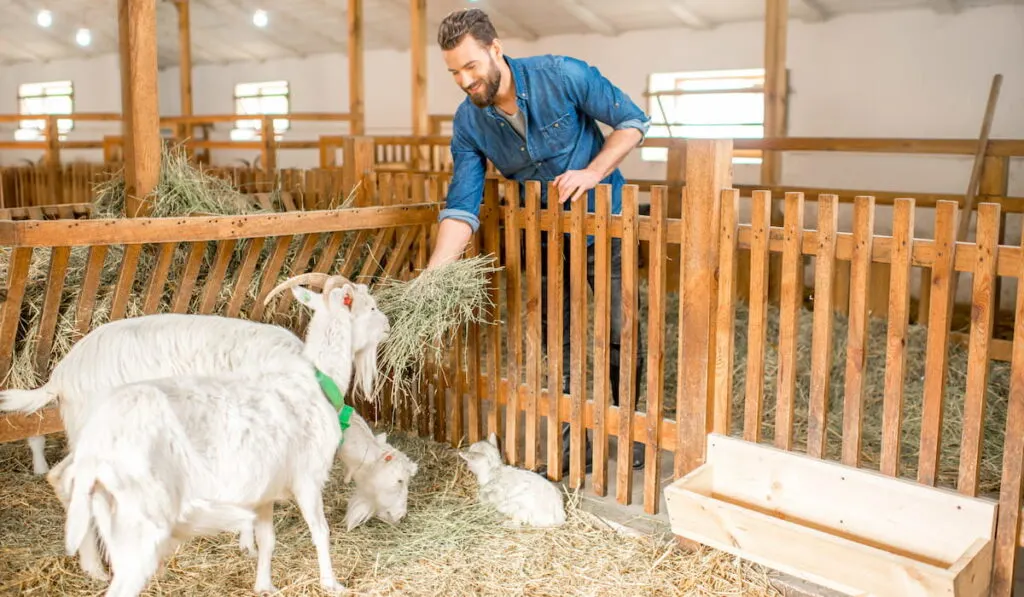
[[449, 545]]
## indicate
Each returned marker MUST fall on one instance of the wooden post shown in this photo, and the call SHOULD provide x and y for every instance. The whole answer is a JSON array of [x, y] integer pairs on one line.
[[420, 113], [185, 65], [356, 164], [141, 115], [356, 70], [53, 160], [708, 172], [775, 89], [269, 152], [675, 178]]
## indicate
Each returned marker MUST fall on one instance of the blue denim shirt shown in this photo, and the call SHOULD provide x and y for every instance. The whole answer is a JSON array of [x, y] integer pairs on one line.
[[562, 98]]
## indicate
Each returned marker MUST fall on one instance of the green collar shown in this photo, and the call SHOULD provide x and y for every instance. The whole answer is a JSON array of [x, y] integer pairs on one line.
[[337, 399]]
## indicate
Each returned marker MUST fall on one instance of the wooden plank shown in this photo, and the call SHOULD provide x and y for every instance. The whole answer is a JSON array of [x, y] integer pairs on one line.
[[821, 334], [602, 341], [726, 312], [940, 314], [17, 280], [857, 339], [158, 280], [17, 426], [356, 68], [1011, 485], [51, 306], [270, 275], [627, 346], [757, 326], [513, 297], [791, 301], [555, 315], [299, 265], [492, 246], [85, 307], [577, 345], [473, 348], [187, 281], [896, 336], [656, 295], [125, 281], [139, 96], [52, 233], [534, 349], [215, 278], [982, 315], [241, 291]]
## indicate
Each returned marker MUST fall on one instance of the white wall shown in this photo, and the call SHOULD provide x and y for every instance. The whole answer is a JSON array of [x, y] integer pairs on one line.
[[925, 86]]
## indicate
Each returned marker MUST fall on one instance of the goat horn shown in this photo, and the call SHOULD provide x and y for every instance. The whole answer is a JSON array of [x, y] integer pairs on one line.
[[312, 278]]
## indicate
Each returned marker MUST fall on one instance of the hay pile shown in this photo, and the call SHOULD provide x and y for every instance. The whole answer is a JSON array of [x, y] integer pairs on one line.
[[449, 545], [425, 310]]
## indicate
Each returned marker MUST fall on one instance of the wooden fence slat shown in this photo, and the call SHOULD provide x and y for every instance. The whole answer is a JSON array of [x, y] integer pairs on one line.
[[534, 348], [215, 279], [187, 282], [728, 266], [657, 273], [125, 281], [821, 334], [602, 339], [791, 300], [627, 345], [158, 281], [555, 315], [492, 246], [857, 340], [757, 333], [85, 307], [983, 302], [578, 345], [17, 280], [299, 265], [59, 257], [242, 280], [513, 331], [474, 423], [1011, 485], [270, 275], [896, 337], [939, 316]]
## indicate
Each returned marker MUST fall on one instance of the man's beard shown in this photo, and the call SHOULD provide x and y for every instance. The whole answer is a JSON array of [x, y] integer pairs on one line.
[[485, 98]]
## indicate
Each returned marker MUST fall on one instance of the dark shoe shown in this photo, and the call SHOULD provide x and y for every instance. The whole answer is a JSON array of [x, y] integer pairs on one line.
[[566, 454]]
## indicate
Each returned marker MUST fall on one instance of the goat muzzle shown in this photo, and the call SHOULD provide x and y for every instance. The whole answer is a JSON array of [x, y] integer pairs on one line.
[[325, 281]]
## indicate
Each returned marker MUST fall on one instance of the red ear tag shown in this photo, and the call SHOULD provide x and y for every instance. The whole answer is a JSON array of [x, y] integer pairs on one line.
[[347, 301]]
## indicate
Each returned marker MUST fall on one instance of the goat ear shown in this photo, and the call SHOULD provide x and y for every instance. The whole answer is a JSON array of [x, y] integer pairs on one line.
[[308, 298], [359, 510], [493, 439]]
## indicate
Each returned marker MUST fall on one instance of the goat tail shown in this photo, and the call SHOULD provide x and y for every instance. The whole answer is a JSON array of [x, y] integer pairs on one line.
[[26, 401], [210, 518]]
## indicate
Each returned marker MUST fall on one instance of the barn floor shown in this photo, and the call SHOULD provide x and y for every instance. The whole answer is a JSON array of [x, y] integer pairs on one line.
[[448, 545]]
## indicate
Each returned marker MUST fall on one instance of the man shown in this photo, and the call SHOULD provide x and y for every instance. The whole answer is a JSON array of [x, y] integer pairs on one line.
[[535, 119]]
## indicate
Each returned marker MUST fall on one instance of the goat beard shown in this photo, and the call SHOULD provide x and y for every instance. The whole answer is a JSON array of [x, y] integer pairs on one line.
[[366, 371]]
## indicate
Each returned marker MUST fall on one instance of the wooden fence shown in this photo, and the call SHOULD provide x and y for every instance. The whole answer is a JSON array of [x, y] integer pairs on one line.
[[709, 361]]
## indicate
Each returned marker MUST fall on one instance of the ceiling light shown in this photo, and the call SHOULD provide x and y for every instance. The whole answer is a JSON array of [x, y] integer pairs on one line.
[[259, 18], [44, 18], [83, 37]]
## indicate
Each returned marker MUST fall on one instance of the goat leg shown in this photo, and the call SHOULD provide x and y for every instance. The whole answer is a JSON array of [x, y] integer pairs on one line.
[[265, 540], [311, 503], [38, 446], [88, 553]]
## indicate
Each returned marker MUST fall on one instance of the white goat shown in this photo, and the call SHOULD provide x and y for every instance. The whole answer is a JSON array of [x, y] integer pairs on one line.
[[157, 456], [170, 345], [526, 497]]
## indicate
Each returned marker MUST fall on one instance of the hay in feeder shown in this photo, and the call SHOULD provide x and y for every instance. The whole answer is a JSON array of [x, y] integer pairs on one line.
[[183, 189], [425, 310], [449, 544]]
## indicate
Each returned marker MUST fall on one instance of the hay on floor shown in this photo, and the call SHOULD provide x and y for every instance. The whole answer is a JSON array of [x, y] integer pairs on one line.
[[448, 545]]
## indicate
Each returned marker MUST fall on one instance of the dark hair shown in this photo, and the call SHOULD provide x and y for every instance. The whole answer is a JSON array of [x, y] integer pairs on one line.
[[467, 21]]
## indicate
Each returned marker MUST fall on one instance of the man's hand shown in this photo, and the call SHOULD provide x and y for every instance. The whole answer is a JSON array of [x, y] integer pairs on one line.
[[572, 184]]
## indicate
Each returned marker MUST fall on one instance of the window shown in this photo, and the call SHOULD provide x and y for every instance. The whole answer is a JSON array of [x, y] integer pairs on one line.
[[257, 99], [706, 104], [35, 99]]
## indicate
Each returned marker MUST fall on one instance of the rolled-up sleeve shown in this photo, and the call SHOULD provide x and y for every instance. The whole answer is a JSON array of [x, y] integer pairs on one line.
[[602, 100], [465, 191]]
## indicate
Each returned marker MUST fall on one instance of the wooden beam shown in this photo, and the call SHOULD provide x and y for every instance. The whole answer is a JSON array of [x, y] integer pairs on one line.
[[684, 13], [588, 17], [420, 109], [356, 69], [141, 123], [185, 64], [776, 17]]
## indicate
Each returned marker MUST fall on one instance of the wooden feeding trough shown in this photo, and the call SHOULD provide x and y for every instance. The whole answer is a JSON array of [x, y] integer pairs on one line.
[[852, 530]]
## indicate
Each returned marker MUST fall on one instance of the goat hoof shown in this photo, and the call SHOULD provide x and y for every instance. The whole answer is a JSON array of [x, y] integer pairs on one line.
[[98, 574], [332, 586], [266, 591]]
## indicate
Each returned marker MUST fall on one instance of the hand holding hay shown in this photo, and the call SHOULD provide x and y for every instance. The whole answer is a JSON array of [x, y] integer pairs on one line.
[[425, 310]]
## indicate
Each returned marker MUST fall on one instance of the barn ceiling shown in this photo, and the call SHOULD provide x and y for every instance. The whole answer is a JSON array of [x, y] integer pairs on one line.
[[224, 31]]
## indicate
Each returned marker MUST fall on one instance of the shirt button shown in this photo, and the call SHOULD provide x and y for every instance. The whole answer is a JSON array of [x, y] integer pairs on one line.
[[522, 149]]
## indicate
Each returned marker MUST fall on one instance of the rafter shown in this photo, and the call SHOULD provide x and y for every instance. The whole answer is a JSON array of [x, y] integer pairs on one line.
[[239, 11], [684, 13], [588, 17], [812, 11], [944, 6]]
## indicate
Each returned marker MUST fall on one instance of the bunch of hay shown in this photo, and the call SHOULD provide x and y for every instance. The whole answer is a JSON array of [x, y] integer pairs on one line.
[[426, 310], [183, 189], [449, 545]]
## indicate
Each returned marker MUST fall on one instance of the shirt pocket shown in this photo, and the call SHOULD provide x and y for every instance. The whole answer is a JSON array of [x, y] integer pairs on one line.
[[558, 134]]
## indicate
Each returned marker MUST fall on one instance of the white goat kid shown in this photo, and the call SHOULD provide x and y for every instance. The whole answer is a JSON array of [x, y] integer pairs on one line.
[[524, 496], [155, 454]]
